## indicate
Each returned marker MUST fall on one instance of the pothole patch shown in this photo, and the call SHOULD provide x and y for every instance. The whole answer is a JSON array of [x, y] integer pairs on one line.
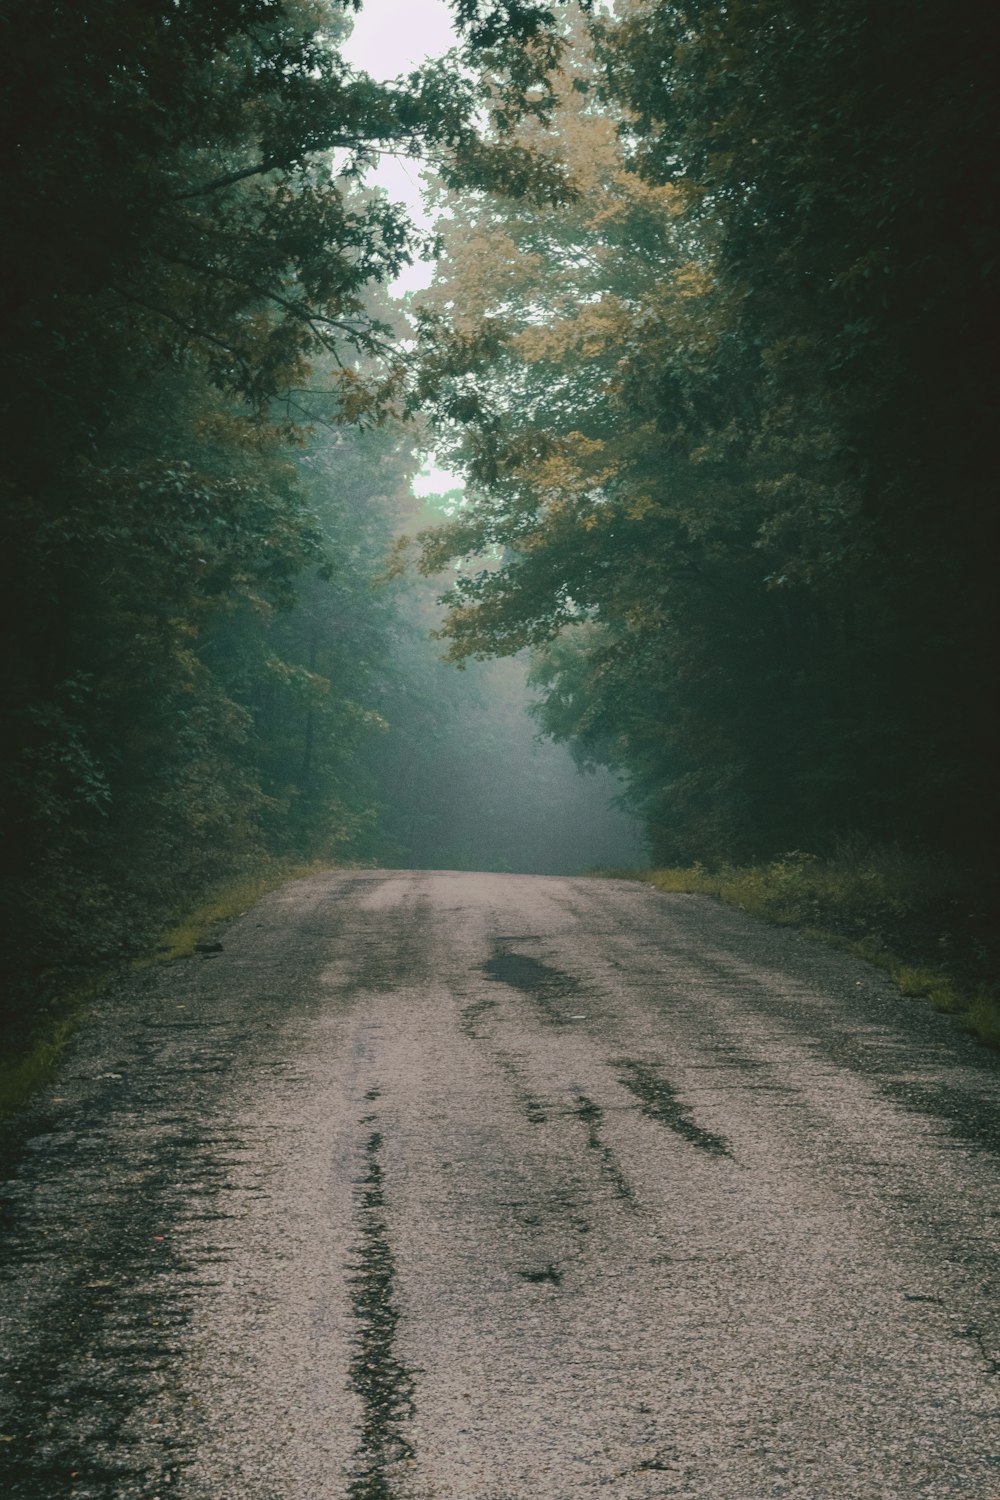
[[550, 1274], [592, 1116], [549, 988], [659, 1101]]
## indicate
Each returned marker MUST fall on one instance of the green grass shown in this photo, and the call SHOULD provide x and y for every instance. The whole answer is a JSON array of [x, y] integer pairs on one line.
[[32, 1062], [912, 916], [31, 1067], [224, 902]]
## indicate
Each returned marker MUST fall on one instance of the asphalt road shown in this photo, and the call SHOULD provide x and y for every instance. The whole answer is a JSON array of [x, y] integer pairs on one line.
[[506, 1188]]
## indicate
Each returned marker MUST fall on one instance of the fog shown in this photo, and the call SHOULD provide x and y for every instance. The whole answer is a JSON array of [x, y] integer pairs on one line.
[[479, 790]]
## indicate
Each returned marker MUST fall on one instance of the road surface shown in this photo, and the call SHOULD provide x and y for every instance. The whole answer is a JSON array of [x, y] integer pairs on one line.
[[505, 1188]]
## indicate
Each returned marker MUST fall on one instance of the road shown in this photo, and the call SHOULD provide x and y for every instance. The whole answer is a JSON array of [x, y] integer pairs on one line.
[[505, 1188]]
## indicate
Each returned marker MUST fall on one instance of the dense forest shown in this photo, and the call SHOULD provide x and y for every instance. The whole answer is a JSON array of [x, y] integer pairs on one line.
[[710, 340], [729, 413]]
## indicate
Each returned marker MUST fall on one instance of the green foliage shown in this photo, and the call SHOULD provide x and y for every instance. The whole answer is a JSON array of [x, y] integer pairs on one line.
[[226, 900], [709, 340], [205, 710], [193, 521], [25, 1069], [918, 918], [318, 703], [724, 416], [32, 1056]]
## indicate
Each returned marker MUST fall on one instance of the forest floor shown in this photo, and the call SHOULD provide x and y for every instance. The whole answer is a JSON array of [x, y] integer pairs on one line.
[[408, 1186]]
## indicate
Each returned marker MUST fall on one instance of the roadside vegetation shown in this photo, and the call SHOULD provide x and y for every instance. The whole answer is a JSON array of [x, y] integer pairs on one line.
[[32, 1053], [912, 916], [725, 421], [206, 460], [226, 901]]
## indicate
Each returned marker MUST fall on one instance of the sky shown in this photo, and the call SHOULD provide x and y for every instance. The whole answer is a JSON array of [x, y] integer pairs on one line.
[[391, 37], [394, 36]]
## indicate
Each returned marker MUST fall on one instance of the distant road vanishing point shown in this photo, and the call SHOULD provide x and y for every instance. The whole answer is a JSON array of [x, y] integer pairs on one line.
[[500, 1187]]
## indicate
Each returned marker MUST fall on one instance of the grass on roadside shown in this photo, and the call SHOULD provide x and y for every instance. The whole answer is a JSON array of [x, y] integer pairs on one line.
[[225, 901], [912, 916], [30, 1067], [32, 1061]]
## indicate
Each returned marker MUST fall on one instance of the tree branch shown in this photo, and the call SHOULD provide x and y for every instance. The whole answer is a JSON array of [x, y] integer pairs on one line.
[[227, 180], [189, 328], [299, 310]]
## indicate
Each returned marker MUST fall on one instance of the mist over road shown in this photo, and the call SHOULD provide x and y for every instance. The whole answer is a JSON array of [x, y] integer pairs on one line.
[[505, 1188]]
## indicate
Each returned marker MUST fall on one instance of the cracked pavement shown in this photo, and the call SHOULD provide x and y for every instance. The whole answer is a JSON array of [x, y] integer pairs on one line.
[[504, 1187]]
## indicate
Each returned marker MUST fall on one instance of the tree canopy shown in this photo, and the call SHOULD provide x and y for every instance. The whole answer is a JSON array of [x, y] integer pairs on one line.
[[193, 522], [725, 418]]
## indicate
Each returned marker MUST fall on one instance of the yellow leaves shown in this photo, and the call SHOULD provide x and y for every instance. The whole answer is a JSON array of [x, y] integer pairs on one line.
[[484, 269], [590, 332], [559, 475], [463, 537], [235, 429], [644, 618], [622, 195], [500, 258], [672, 198], [639, 507], [569, 473], [692, 280], [397, 563], [362, 398], [591, 146], [782, 350], [191, 668], [541, 342], [721, 164], [353, 394], [583, 446]]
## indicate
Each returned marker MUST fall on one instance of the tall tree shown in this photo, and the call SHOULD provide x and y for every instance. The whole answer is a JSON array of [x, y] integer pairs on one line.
[[186, 260], [707, 425]]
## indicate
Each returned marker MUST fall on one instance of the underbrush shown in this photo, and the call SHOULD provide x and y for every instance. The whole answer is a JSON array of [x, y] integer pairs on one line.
[[222, 903], [915, 917], [31, 1062], [31, 1055]]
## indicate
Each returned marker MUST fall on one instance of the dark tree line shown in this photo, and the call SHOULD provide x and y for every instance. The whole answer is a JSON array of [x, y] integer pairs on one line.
[[728, 418], [201, 468]]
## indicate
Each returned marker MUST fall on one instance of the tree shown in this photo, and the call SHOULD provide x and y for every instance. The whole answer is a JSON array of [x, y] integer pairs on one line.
[[702, 409], [188, 259]]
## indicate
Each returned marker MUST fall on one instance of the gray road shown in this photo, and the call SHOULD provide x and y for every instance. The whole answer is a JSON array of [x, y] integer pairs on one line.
[[507, 1188]]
